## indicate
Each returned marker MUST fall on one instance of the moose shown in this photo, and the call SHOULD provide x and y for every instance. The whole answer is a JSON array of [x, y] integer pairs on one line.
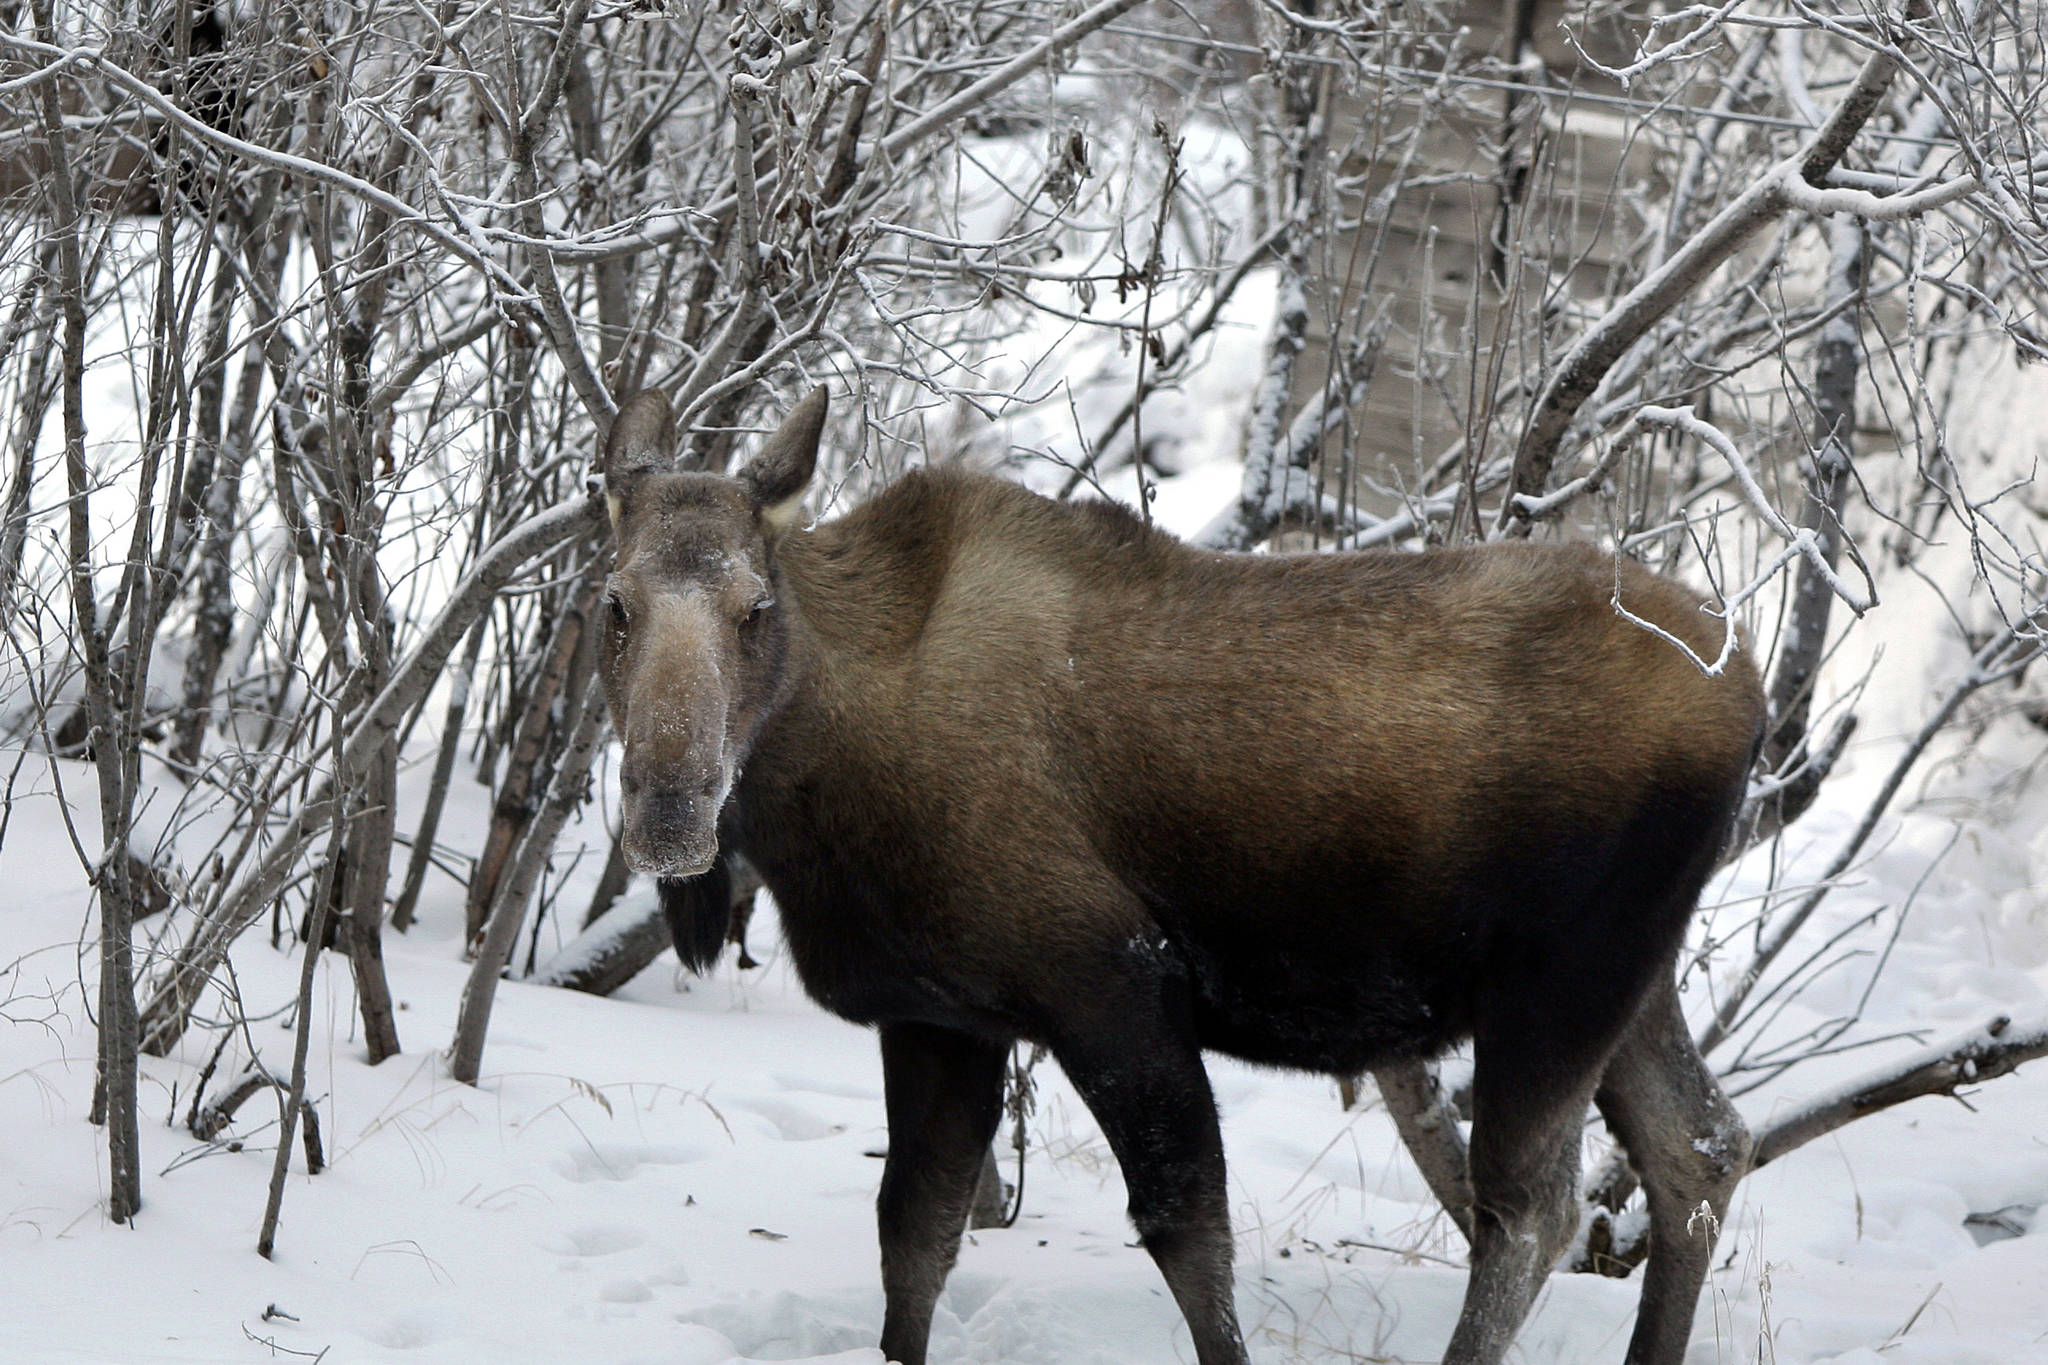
[[1022, 769]]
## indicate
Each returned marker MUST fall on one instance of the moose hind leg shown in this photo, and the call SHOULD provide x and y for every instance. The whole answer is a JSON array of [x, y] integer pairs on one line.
[[1535, 1063], [944, 1093], [1524, 1178], [1144, 1081], [1690, 1149]]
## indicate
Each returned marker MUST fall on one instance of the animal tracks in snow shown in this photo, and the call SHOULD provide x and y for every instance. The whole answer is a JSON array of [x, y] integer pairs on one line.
[[407, 1332], [626, 1281], [596, 1239], [619, 1161], [625, 1289], [819, 1085], [792, 1122]]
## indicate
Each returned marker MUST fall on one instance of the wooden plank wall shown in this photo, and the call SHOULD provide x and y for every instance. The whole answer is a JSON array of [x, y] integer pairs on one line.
[[1437, 288]]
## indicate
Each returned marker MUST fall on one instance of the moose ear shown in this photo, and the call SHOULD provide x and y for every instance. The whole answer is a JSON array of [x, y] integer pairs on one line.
[[643, 440], [775, 479]]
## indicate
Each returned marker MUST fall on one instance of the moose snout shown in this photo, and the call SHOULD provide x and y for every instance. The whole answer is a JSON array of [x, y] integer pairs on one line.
[[672, 830]]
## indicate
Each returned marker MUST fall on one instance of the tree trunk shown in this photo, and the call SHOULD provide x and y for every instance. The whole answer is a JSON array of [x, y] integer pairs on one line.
[[437, 790], [1428, 1124], [214, 613], [1276, 470], [524, 778], [989, 1204], [502, 930], [362, 927], [611, 883], [1828, 468], [115, 1101], [36, 311], [182, 976], [293, 1101]]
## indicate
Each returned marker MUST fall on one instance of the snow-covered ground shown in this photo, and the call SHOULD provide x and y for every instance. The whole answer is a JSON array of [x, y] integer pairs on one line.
[[687, 1176]]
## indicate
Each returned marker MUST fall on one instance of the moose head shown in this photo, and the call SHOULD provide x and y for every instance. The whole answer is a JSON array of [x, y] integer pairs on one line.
[[696, 636]]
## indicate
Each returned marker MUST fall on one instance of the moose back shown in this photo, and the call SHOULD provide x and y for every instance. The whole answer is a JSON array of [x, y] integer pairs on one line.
[[1021, 769]]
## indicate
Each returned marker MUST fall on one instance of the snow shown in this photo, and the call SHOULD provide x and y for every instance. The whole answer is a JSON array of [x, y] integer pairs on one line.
[[1077, 378], [688, 1175]]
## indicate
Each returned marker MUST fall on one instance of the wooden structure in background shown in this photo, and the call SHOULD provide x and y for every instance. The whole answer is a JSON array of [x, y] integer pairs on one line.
[[1527, 206]]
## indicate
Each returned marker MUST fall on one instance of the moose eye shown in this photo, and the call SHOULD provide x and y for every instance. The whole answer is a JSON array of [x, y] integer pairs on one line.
[[758, 610], [617, 606]]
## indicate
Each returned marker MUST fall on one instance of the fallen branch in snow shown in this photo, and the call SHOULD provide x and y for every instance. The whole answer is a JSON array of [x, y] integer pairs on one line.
[[619, 944], [207, 1124], [275, 1347], [612, 951], [1613, 1241], [1984, 1054]]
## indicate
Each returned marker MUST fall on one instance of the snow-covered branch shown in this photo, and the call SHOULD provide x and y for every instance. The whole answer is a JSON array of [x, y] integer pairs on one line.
[[1984, 1054], [1802, 541], [1887, 208], [1579, 372]]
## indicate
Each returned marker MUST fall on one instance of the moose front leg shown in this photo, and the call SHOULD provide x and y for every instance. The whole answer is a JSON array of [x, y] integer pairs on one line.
[[944, 1094], [1144, 1081]]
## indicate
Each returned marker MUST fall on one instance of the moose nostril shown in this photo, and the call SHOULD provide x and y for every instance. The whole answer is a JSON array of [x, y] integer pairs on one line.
[[667, 812]]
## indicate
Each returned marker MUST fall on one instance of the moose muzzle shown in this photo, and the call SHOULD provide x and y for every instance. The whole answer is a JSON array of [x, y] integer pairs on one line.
[[672, 830]]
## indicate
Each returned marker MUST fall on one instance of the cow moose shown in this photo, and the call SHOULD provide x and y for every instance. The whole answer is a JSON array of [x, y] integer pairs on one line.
[[1020, 769]]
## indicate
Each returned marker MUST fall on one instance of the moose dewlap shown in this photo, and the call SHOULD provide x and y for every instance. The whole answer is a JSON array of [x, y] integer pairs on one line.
[[1021, 769]]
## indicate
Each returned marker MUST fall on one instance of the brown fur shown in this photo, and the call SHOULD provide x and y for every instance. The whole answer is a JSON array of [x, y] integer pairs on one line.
[[1015, 768]]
